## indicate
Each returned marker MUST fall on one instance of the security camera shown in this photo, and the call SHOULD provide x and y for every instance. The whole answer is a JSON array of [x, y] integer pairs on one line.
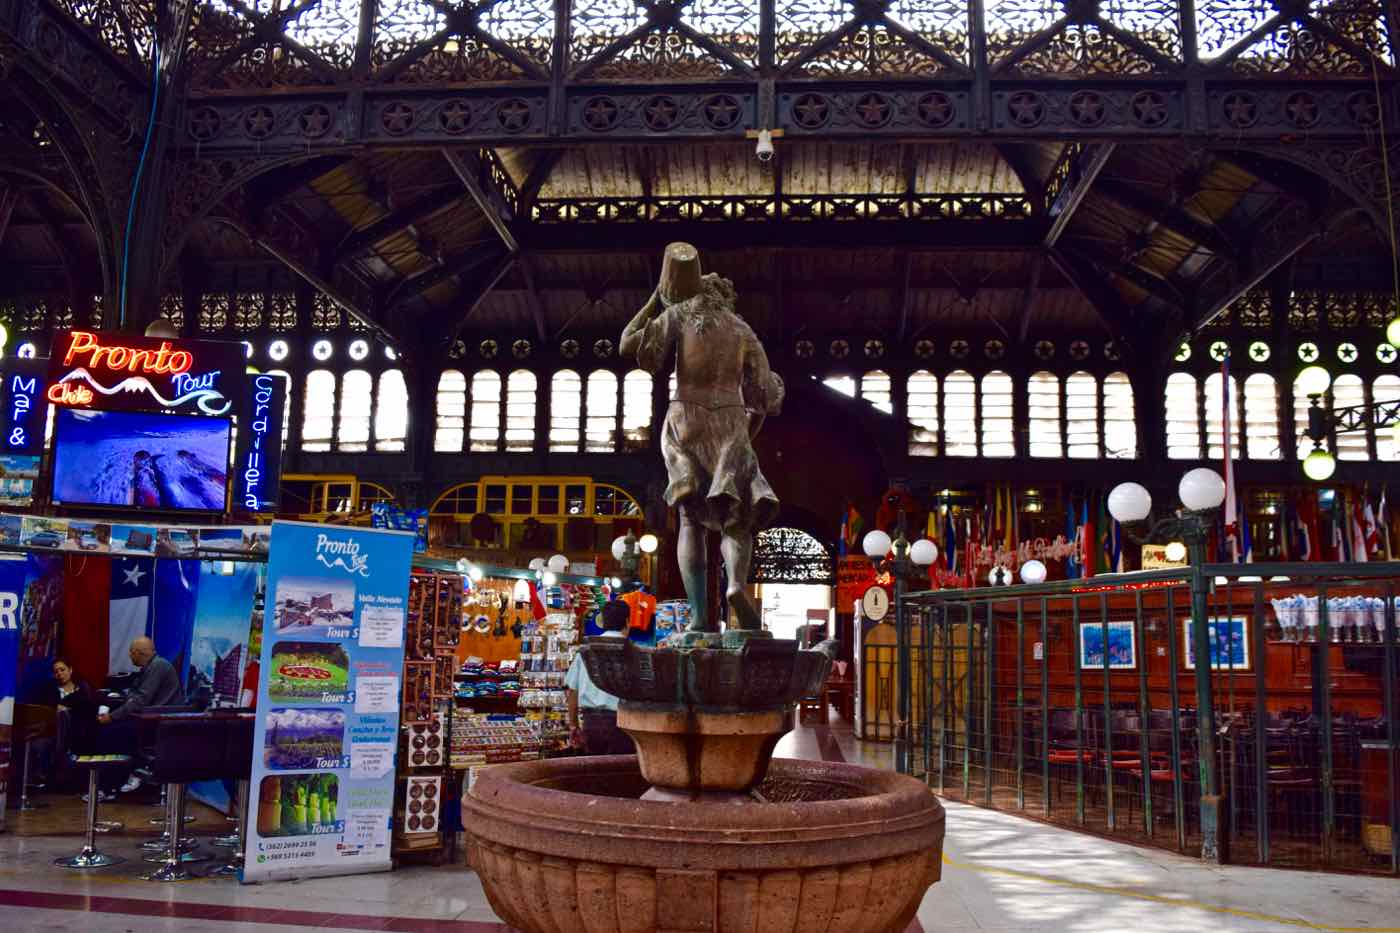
[[764, 151]]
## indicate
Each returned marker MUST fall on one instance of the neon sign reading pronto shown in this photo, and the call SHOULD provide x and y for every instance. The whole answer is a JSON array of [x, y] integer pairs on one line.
[[84, 349], [123, 372]]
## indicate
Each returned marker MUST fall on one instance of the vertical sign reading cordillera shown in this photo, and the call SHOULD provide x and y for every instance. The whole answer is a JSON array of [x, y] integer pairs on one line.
[[328, 702], [257, 467]]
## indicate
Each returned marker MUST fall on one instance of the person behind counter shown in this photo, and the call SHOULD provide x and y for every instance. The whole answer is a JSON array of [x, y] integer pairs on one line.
[[156, 684], [599, 734], [78, 698]]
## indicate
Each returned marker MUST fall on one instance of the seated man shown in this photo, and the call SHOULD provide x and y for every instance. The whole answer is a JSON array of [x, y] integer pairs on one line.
[[156, 684], [600, 734]]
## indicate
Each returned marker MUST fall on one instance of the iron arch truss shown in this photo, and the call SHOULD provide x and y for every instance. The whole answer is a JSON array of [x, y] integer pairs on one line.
[[790, 555]]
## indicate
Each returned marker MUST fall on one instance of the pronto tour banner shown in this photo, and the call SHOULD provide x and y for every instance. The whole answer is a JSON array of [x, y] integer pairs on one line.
[[322, 790]]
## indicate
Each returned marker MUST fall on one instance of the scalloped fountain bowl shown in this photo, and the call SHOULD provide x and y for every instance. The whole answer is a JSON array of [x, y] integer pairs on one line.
[[703, 832], [567, 846]]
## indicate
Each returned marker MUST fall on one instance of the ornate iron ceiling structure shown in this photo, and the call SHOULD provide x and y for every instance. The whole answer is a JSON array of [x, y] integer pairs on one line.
[[418, 162]]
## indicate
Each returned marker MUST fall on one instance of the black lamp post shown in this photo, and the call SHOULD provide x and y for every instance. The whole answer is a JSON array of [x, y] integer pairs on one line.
[[908, 564]]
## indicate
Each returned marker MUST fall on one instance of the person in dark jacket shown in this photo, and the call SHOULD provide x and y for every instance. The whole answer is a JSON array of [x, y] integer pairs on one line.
[[157, 684], [77, 697]]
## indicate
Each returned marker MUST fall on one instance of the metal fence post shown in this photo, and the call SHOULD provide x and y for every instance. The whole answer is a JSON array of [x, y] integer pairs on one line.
[[1205, 704]]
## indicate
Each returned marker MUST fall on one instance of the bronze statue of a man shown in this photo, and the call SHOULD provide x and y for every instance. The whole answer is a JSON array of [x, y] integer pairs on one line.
[[724, 390]]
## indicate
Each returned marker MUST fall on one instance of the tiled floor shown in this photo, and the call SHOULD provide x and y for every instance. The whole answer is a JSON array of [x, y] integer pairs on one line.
[[1000, 874]]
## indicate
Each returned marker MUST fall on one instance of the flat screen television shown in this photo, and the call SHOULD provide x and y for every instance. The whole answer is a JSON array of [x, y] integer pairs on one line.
[[126, 459]]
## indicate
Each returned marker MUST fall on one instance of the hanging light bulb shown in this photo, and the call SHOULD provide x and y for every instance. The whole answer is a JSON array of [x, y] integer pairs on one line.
[[1176, 552], [1319, 465], [1392, 332]]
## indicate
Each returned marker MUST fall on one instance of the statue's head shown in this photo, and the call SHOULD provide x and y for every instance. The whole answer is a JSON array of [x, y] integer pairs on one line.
[[680, 274]]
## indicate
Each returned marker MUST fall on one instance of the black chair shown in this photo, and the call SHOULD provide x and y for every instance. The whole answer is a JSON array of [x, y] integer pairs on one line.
[[238, 766], [188, 747], [146, 743]]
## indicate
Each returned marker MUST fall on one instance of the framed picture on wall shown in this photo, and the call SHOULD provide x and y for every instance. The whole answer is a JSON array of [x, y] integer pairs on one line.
[[1122, 646], [1229, 644]]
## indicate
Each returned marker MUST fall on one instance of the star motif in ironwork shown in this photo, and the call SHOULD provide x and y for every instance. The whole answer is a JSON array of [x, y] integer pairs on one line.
[[1346, 353], [1025, 109], [258, 122], [1302, 110], [958, 349], [722, 111], [397, 117], [205, 123], [1363, 109], [935, 109], [1079, 349], [811, 110], [1385, 353], [513, 115], [1239, 110], [1307, 352], [1150, 109], [1259, 351], [314, 121], [873, 110], [455, 117], [661, 112], [600, 113], [1087, 109]]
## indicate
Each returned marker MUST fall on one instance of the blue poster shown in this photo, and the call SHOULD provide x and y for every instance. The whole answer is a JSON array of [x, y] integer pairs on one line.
[[31, 603], [12, 570], [322, 789]]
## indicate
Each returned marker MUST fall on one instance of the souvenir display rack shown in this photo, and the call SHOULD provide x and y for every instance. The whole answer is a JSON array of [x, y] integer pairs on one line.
[[431, 637]]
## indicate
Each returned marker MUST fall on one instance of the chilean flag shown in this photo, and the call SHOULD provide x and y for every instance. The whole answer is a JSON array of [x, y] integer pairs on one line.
[[129, 612]]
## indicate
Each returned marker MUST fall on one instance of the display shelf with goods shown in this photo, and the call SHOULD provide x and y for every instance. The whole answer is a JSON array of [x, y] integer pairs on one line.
[[425, 788]]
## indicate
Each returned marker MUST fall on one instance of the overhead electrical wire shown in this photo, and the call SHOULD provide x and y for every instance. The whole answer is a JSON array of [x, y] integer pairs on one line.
[[136, 182]]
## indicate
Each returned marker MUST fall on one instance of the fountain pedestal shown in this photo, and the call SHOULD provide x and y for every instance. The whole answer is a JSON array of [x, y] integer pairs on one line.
[[692, 754]]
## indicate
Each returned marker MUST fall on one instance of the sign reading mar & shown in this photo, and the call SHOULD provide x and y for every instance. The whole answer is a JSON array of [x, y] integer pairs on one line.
[[118, 372]]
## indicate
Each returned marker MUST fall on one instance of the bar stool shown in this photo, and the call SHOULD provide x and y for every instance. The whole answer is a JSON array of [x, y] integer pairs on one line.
[[238, 763], [37, 722], [89, 857], [188, 747]]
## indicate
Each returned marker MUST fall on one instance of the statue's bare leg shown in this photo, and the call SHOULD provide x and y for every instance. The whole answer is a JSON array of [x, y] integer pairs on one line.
[[737, 549], [694, 562]]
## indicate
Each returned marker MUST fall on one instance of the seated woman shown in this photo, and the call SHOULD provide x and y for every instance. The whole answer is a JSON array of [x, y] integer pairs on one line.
[[78, 699]]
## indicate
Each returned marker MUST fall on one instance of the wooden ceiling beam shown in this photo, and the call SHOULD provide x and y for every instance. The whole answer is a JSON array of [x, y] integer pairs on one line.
[[843, 236], [1169, 217], [472, 174], [391, 225], [537, 179], [1082, 173], [1089, 282], [1028, 300], [410, 287], [533, 296], [481, 286]]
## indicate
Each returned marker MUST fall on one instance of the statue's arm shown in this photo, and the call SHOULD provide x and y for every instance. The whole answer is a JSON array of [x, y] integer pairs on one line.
[[766, 384], [635, 331]]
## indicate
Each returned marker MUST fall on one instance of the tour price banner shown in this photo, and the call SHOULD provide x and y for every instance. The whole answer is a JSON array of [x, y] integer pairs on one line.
[[322, 789]]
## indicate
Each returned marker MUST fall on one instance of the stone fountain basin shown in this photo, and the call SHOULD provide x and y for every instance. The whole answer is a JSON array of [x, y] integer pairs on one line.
[[567, 846]]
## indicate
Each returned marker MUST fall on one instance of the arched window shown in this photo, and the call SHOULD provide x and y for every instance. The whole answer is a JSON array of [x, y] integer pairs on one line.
[[1215, 419], [1119, 419], [520, 411], [286, 404], [600, 434], [451, 412], [318, 411], [846, 385], [960, 414], [391, 412], [1183, 418], [1082, 416], [998, 432], [1043, 408], [922, 405], [1386, 389], [875, 389], [1348, 391], [485, 429], [636, 410], [1301, 404], [565, 410], [1261, 418], [356, 403]]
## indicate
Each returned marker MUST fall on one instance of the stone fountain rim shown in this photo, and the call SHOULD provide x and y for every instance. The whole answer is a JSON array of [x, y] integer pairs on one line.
[[898, 816]]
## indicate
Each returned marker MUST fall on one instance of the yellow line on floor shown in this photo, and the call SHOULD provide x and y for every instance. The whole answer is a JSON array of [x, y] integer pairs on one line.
[[1168, 901]]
